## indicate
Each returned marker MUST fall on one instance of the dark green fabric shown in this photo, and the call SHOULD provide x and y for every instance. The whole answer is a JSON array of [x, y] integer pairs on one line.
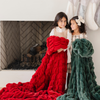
[[82, 84]]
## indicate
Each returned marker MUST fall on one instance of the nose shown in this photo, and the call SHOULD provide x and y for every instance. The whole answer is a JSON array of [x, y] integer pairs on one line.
[[63, 23]]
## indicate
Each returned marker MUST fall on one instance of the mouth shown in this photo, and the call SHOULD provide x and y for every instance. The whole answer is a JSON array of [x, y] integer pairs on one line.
[[72, 27]]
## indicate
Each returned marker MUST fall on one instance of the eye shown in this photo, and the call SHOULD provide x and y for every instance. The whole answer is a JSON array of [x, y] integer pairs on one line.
[[61, 20]]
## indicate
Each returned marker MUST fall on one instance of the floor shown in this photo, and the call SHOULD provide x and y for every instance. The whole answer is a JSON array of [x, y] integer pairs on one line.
[[15, 76]]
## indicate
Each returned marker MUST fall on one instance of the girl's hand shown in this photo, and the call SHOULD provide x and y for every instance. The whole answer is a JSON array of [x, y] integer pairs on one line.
[[59, 50]]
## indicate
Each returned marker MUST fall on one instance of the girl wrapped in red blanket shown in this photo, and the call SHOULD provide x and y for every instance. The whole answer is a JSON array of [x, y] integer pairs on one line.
[[48, 82]]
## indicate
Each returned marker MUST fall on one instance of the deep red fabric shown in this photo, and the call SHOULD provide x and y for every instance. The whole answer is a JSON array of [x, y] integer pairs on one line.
[[48, 82]]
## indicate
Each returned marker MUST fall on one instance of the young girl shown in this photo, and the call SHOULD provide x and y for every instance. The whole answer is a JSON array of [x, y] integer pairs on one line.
[[77, 28], [60, 28], [82, 84], [48, 82]]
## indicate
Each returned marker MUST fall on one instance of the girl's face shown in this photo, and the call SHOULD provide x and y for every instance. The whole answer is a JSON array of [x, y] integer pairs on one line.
[[62, 22], [74, 25]]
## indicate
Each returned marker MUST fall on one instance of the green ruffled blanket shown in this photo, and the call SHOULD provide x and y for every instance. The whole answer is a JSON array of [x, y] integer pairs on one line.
[[82, 84]]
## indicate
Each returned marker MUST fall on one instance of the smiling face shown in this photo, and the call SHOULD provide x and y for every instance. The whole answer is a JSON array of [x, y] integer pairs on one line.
[[62, 22], [74, 25]]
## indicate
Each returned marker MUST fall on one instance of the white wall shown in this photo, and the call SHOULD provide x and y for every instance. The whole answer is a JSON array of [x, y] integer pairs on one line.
[[15, 76], [44, 10], [94, 37]]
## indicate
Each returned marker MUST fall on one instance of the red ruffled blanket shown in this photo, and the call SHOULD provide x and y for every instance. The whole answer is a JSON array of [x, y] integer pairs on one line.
[[48, 82]]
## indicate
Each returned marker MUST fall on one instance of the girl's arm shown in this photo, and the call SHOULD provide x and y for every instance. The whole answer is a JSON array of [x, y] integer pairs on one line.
[[59, 50], [69, 37]]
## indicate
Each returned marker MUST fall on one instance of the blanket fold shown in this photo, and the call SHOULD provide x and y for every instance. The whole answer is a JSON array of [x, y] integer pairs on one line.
[[56, 44]]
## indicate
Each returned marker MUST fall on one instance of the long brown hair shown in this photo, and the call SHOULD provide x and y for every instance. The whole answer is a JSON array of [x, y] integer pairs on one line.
[[59, 16]]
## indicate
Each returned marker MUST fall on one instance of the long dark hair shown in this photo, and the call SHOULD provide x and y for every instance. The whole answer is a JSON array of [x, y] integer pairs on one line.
[[59, 16], [81, 28]]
